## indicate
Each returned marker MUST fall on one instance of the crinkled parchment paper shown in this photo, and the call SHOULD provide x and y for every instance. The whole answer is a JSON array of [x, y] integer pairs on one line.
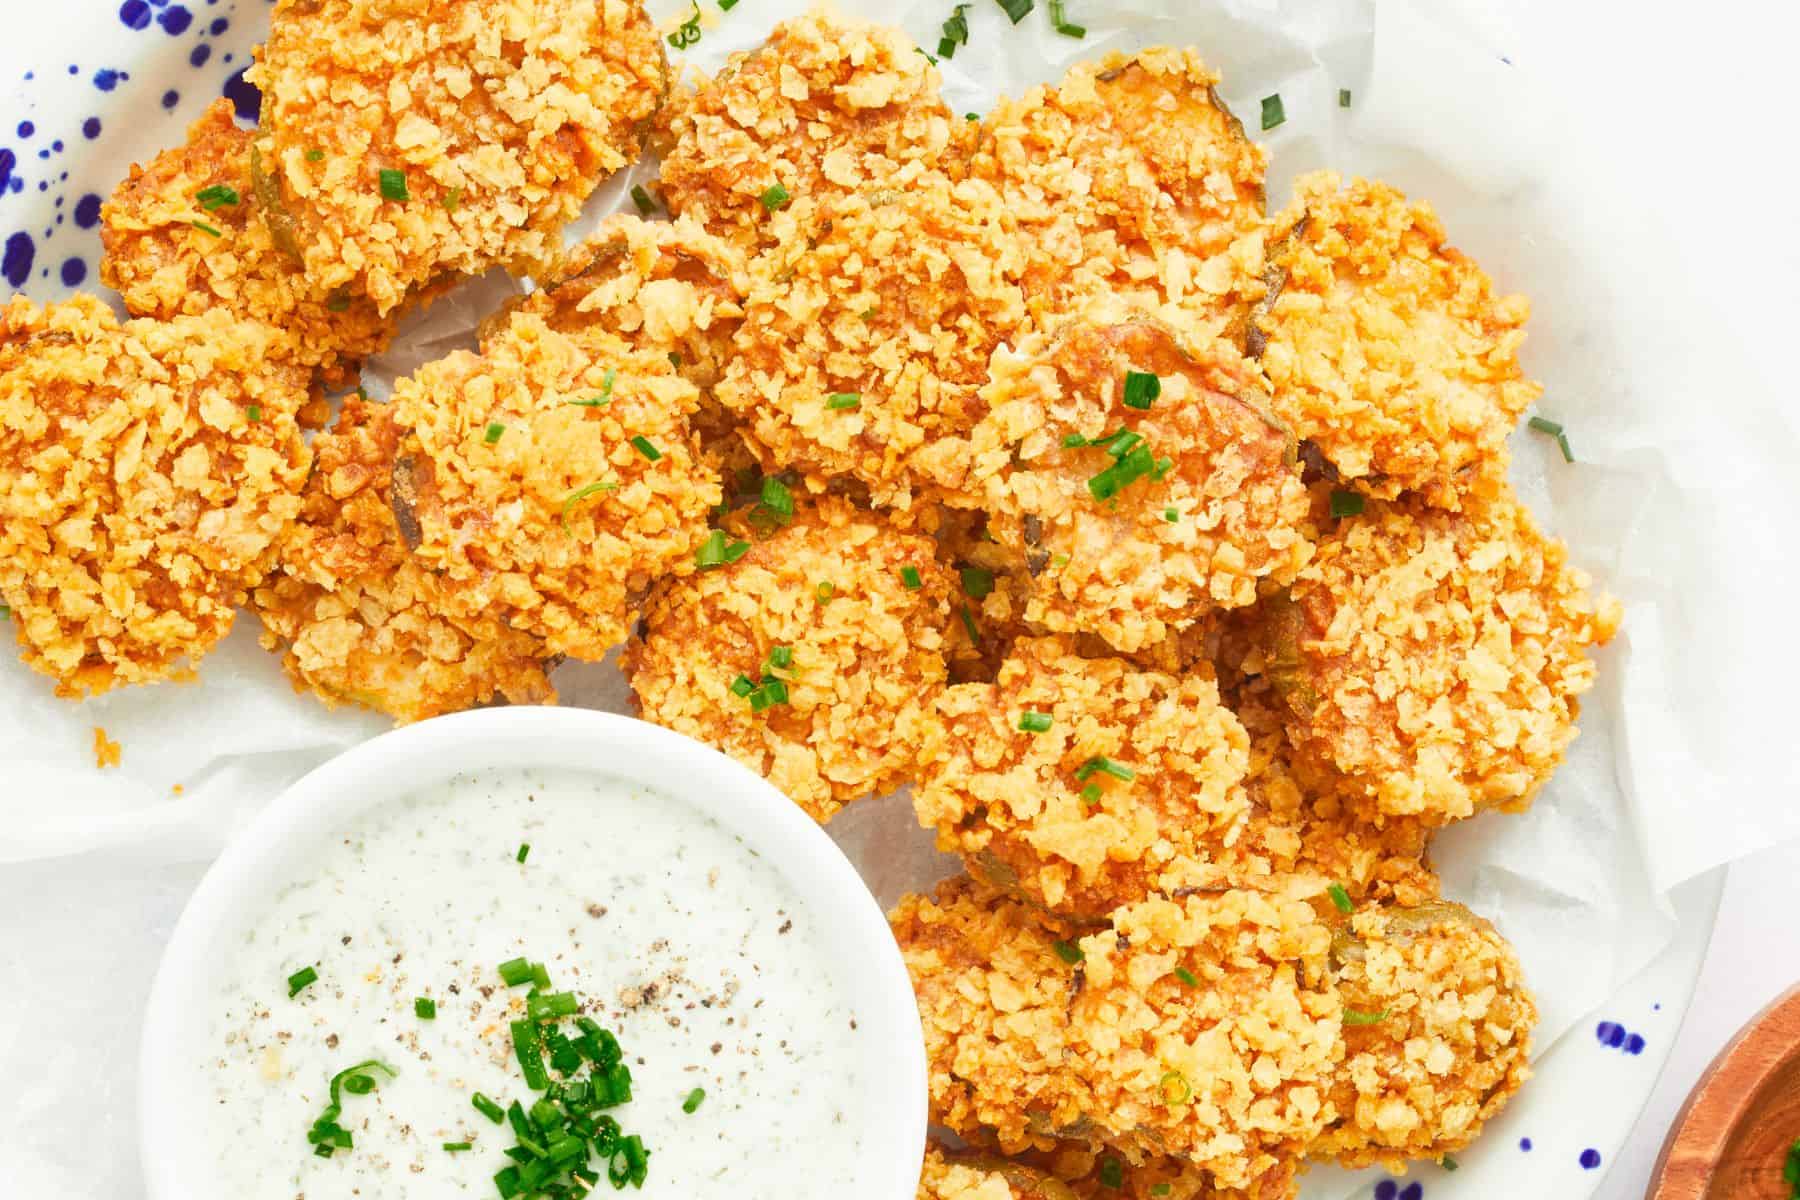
[[1680, 504]]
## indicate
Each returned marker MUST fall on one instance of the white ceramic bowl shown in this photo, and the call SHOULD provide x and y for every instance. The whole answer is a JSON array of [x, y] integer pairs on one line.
[[281, 840]]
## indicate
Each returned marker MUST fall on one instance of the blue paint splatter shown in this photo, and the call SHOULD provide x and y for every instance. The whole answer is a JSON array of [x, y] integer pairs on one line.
[[57, 145], [171, 98], [26, 129], [219, 25], [175, 20], [90, 128], [1387, 1189], [1656, 1008], [1525, 1145], [135, 14], [74, 70], [199, 54], [8, 160], [44, 154], [15, 264], [1611, 1033], [106, 79], [1634, 1044], [1590, 1158], [1412, 1191], [243, 96], [87, 211], [74, 271]]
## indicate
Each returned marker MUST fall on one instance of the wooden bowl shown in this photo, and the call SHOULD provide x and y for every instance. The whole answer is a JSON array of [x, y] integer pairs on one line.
[[1732, 1136]]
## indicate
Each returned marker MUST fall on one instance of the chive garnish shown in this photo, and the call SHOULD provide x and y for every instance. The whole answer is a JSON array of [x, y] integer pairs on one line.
[[1060, 22], [777, 499], [1091, 794], [968, 624], [582, 493], [1171, 515], [453, 199], [1132, 461], [1340, 898], [840, 401], [1346, 503], [781, 658], [203, 227], [717, 551], [393, 184], [217, 196], [300, 980], [1343, 97], [254, 414], [606, 390], [1354, 1016], [524, 852], [977, 582], [644, 447], [1186, 976], [774, 196], [315, 156], [514, 971], [727, 5], [457, 1147], [1100, 764], [1161, 1189], [337, 302], [825, 591], [1112, 1173], [689, 31], [1273, 113], [1545, 425], [693, 1100], [1069, 952], [641, 198], [956, 32], [326, 1136], [488, 1108], [1448, 1163], [1175, 1088], [1141, 388], [1031, 721], [1015, 9], [425, 1008], [494, 430], [910, 577]]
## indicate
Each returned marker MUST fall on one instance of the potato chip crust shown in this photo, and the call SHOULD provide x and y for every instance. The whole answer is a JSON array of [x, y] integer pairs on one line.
[[1388, 349], [169, 253], [867, 654], [358, 619], [1436, 659], [146, 469], [551, 481], [498, 116], [1046, 814], [1220, 511]]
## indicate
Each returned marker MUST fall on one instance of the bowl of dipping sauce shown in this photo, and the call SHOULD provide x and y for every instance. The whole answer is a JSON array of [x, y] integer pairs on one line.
[[528, 951]]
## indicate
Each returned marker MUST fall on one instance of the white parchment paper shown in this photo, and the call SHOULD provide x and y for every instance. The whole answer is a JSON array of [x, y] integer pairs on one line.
[[1681, 503]]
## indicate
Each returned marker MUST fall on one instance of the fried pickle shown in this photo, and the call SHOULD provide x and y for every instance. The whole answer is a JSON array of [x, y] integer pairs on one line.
[[146, 470], [1137, 511], [408, 140], [1388, 350], [551, 480], [357, 618], [854, 606]]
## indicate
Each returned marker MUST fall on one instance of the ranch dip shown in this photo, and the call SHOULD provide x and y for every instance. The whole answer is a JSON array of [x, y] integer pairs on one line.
[[665, 930]]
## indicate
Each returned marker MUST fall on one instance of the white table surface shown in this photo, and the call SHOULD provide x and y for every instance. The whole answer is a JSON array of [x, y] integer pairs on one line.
[[1665, 75]]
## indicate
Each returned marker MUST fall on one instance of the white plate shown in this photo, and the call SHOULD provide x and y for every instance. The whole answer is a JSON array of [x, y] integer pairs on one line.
[[105, 83]]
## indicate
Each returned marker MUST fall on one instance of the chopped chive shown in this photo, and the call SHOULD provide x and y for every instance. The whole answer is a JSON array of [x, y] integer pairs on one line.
[[1545, 425], [315, 156], [5, 611], [203, 227], [777, 499], [1450, 1164], [1072, 440], [515, 971], [425, 1008], [1060, 22], [1112, 1173], [1346, 503], [582, 493], [1100, 764], [774, 196], [693, 1100], [528, 1048], [717, 551], [524, 852], [969, 627], [977, 582], [299, 980], [1031, 721], [727, 5], [1091, 794], [494, 430], [689, 31], [216, 197], [1015, 9], [641, 198], [254, 414], [457, 1147], [1141, 388], [393, 184], [910, 577], [643, 447], [1354, 1016], [956, 32], [840, 401], [1273, 113], [337, 302], [1343, 97], [488, 1108], [742, 686], [1171, 515], [1161, 1189], [453, 199], [1175, 1088], [1069, 952], [1186, 976], [781, 658], [1340, 898], [606, 390], [825, 591]]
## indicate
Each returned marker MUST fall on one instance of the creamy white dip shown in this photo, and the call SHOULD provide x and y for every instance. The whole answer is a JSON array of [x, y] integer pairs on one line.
[[674, 934]]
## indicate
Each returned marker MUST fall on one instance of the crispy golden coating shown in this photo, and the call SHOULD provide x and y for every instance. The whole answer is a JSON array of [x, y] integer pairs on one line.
[[146, 470], [867, 654], [1437, 1034], [1140, 561], [1227, 1072], [1388, 349], [1436, 659], [357, 618], [897, 299], [495, 118], [1049, 815], [165, 258], [978, 1177], [996, 589], [1131, 178], [827, 105], [1099, 1173], [551, 480]]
